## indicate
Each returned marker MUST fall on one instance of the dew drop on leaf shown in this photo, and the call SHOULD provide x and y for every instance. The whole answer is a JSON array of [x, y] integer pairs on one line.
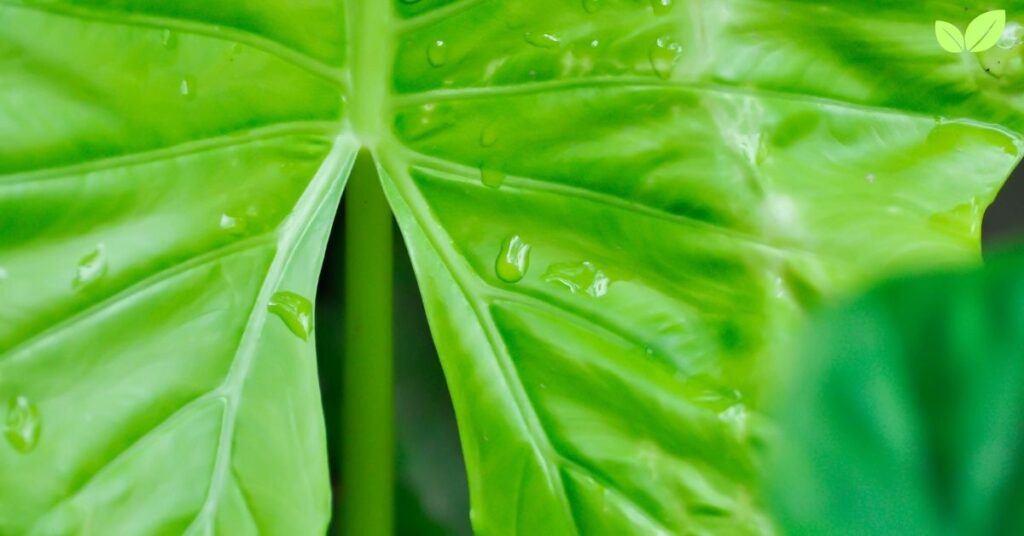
[[661, 7], [488, 136], [187, 87], [492, 178], [234, 51], [232, 224], [295, 311], [168, 38], [437, 52], [513, 260], [91, 268], [579, 278], [735, 416], [541, 40], [592, 6], [21, 426], [663, 55], [426, 120]]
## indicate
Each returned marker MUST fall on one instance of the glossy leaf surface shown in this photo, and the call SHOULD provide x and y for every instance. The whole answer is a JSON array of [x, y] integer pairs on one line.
[[905, 414], [616, 211], [167, 189]]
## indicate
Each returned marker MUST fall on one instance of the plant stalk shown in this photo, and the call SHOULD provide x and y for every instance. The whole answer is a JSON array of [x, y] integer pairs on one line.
[[367, 441]]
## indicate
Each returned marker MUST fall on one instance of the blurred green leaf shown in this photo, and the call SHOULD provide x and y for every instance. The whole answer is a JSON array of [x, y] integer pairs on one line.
[[905, 412]]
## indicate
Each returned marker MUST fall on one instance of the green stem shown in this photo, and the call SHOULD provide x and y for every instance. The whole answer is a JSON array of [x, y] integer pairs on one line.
[[367, 441]]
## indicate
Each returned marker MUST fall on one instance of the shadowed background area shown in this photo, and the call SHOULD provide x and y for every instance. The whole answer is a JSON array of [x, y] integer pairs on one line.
[[432, 497], [1004, 221]]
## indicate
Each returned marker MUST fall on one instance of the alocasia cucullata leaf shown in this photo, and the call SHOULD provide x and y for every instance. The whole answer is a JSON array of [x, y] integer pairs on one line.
[[905, 411], [616, 210]]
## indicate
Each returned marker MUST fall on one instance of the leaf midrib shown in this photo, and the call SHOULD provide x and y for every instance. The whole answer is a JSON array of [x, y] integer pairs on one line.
[[319, 191]]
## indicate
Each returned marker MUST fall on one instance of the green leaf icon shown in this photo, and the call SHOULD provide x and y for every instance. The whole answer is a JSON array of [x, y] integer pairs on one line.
[[949, 37], [983, 33]]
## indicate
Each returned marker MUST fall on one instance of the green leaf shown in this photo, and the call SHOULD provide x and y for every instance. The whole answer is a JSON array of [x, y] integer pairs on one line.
[[949, 37], [905, 410], [166, 173], [683, 179], [984, 32]]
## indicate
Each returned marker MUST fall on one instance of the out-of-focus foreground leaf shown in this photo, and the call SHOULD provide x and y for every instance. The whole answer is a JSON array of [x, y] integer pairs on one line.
[[616, 210], [905, 412]]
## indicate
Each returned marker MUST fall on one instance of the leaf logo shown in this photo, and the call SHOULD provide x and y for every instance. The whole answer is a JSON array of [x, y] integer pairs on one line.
[[982, 33]]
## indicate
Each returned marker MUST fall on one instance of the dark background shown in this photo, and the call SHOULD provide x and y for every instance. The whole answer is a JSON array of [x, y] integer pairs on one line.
[[432, 497], [1004, 221]]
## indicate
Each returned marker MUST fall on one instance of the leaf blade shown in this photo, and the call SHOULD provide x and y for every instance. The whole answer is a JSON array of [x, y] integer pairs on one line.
[[179, 198], [646, 284]]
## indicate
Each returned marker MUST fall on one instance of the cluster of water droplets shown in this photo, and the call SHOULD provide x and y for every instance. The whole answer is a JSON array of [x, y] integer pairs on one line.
[[663, 53], [578, 278], [186, 84], [659, 7]]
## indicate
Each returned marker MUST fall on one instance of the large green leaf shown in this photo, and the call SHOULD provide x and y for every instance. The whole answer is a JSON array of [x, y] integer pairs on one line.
[[905, 411], [673, 183], [168, 183]]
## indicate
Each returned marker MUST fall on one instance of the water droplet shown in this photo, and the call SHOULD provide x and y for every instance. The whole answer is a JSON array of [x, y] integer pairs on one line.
[[870, 177], [488, 135], [735, 416], [3, 274], [437, 53], [661, 7], [541, 40], [426, 120], [663, 55], [513, 260], [187, 87], [592, 6], [232, 224], [168, 38], [595, 43], [295, 310], [21, 427], [1012, 36], [91, 268], [492, 178], [582, 277], [234, 51]]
